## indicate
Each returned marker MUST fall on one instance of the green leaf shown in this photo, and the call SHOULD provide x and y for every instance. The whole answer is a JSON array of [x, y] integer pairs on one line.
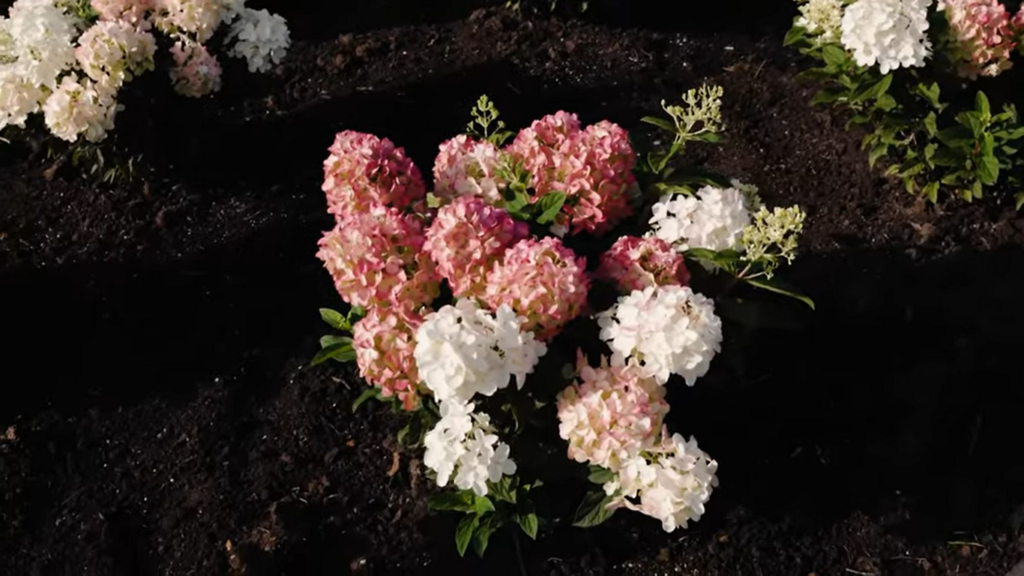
[[885, 103], [660, 123], [711, 137], [331, 340], [875, 90], [1015, 134], [930, 93], [487, 526], [600, 475], [834, 55], [339, 352], [593, 510], [795, 35], [858, 119], [827, 96], [956, 137], [464, 532], [987, 171], [724, 259], [877, 152], [458, 501], [528, 522], [334, 319], [550, 205], [948, 157], [482, 504], [930, 124], [1018, 200], [972, 121], [982, 106], [977, 189], [503, 490], [931, 192], [404, 432], [775, 286], [371, 392]]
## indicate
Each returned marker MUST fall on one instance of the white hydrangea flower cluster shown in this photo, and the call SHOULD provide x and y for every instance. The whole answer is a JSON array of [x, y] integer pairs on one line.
[[41, 66], [462, 351], [260, 37], [672, 481], [463, 443], [666, 329], [114, 52], [889, 33], [713, 219], [822, 19]]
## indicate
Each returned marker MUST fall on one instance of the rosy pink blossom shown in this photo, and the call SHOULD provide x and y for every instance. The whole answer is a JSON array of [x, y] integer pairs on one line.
[[130, 11], [384, 341], [634, 263], [376, 258], [364, 170], [542, 281], [610, 414], [1018, 21], [592, 167], [467, 167], [196, 72], [982, 36], [467, 238]]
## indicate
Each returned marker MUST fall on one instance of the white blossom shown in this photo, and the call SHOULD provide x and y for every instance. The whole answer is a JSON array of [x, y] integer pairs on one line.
[[182, 18], [80, 107], [673, 482], [890, 33], [463, 444], [462, 351], [260, 37], [822, 19], [713, 219], [113, 52], [39, 40], [666, 329]]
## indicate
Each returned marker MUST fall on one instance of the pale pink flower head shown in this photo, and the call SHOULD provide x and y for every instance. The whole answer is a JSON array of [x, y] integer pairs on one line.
[[467, 167], [133, 12], [1018, 21], [376, 258], [542, 281], [982, 36], [364, 170], [634, 263], [196, 72], [592, 167], [467, 238], [610, 414], [384, 341]]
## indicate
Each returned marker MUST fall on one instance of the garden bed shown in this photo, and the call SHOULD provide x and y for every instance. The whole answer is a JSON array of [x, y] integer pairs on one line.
[[161, 405]]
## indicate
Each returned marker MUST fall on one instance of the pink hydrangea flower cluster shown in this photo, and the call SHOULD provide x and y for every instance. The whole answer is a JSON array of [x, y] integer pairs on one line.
[[610, 414], [1018, 21], [196, 72], [542, 281], [376, 258], [131, 11], [467, 238], [592, 167], [465, 166], [364, 170], [384, 342], [982, 35], [634, 263]]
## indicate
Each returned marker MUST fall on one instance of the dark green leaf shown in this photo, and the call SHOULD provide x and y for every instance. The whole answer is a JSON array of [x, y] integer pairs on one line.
[[948, 157], [873, 91], [458, 501], [371, 392], [600, 475], [334, 319], [503, 490], [931, 192], [957, 137], [778, 288], [858, 119], [877, 152], [404, 432], [834, 55], [885, 103], [528, 522], [340, 352], [795, 35], [550, 205], [488, 526], [826, 96], [464, 532], [972, 121], [355, 313], [593, 510], [660, 123]]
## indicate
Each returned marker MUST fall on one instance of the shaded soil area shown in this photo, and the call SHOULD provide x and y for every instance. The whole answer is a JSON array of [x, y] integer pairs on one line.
[[158, 332]]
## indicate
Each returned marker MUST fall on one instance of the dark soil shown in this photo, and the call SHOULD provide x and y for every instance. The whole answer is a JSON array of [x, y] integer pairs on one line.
[[160, 405]]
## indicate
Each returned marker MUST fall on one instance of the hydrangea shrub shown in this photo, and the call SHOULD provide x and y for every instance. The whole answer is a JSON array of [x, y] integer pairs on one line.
[[909, 71], [68, 59], [469, 305]]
